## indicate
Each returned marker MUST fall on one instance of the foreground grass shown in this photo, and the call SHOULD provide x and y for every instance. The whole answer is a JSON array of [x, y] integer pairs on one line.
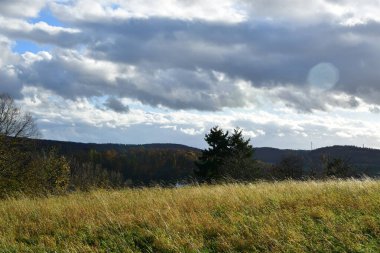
[[338, 216]]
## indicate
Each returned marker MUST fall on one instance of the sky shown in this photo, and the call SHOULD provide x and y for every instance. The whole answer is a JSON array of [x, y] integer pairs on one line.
[[287, 72]]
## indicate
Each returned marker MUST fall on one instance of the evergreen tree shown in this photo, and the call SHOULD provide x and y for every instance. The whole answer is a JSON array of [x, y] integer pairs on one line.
[[212, 159], [240, 147], [239, 163], [228, 156]]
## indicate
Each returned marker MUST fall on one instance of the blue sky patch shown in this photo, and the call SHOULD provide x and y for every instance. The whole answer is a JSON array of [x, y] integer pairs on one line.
[[22, 46], [47, 16]]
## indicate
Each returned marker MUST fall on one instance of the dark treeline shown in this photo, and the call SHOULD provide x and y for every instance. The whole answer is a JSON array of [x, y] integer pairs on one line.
[[41, 167], [131, 167], [117, 165], [37, 167]]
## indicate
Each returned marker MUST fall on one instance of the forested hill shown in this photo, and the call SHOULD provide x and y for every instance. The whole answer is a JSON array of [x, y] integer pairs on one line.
[[119, 163], [365, 160], [73, 147], [173, 162]]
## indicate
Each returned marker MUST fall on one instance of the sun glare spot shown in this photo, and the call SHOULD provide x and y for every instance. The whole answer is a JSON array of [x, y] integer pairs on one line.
[[323, 76]]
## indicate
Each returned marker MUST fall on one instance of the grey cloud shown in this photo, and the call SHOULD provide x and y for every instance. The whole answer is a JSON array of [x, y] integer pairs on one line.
[[375, 109], [69, 75], [307, 100], [183, 89], [350, 103], [267, 54], [66, 74], [9, 83], [116, 105], [302, 101]]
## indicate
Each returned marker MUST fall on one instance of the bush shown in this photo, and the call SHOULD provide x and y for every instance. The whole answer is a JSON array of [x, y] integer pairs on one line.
[[337, 167], [48, 174], [290, 166], [24, 171]]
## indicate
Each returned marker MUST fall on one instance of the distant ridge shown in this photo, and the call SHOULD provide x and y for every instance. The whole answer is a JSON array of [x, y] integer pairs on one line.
[[366, 160], [74, 146]]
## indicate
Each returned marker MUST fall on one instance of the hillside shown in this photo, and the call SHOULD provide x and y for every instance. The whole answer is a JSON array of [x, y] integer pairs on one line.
[[73, 147], [366, 161], [134, 164], [330, 216]]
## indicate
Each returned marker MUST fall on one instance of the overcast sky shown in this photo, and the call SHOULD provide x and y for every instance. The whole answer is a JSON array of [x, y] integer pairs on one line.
[[288, 72]]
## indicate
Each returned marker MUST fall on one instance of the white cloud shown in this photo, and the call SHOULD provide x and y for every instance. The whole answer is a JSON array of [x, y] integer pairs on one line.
[[192, 131], [301, 13], [87, 10], [30, 58], [9, 25], [254, 134], [21, 8], [169, 127], [7, 57]]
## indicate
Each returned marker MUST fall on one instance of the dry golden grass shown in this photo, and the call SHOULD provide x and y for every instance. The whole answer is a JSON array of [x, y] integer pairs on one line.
[[338, 216]]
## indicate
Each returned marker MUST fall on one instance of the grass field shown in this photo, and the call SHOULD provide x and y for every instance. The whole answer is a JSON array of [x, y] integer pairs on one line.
[[331, 216]]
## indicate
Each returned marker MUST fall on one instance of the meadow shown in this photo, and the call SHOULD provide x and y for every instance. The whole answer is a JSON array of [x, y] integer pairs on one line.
[[289, 216]]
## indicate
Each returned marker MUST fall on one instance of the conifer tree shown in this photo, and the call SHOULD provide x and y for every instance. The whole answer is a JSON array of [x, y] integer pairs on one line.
[[228, 156]]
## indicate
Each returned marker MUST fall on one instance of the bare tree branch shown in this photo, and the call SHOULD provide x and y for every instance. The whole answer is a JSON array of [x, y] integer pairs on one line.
[[14, 122]]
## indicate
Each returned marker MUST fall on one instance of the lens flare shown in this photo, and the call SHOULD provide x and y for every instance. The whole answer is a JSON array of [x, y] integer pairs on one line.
[[323, 75]]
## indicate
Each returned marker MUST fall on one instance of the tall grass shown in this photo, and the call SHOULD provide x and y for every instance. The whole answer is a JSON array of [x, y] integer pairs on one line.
[[332, 216]]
